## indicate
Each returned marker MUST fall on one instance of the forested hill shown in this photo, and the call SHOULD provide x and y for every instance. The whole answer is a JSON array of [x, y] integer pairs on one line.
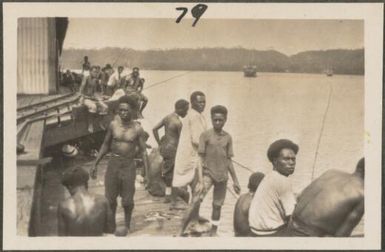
[[221, 59]]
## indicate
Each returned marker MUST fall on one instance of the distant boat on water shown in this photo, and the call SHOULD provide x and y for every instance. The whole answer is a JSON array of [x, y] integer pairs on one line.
[[329, 72], [250, 71]]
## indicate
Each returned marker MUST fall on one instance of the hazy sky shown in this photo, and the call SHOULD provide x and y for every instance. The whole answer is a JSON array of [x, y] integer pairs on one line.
[[286, 36]]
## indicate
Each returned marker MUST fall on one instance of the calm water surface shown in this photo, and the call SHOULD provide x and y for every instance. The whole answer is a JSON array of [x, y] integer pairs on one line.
[[269, 107], [273, 106]]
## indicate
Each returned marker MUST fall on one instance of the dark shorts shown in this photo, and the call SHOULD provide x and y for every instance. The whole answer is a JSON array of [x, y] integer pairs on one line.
[[298, 228], [120, 180], [168, 170], [168, 153]]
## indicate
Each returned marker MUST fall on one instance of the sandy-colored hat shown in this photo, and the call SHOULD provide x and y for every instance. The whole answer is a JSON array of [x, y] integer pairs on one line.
[[69, 150]]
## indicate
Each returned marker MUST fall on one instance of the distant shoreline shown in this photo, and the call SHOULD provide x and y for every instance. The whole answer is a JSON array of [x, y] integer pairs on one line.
[[341, 61]]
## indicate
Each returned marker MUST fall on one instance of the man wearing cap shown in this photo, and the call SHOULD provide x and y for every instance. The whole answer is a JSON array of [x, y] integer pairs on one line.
[[332, 205], [274, 201], [83, 213]]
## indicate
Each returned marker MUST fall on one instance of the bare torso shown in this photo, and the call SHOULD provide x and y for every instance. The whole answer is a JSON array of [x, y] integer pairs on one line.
[[326, 202], [241, 215], [173, 126], [125, 138], [84, 215]]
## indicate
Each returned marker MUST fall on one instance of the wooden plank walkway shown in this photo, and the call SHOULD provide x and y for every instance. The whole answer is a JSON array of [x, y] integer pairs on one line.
[[26, 176]]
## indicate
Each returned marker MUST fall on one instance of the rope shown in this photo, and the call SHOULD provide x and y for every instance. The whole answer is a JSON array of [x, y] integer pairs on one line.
[[157, 83], [321, 131], [243, 166]]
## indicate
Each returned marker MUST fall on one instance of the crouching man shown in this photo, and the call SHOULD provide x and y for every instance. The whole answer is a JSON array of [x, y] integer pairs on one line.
[[83, 214]]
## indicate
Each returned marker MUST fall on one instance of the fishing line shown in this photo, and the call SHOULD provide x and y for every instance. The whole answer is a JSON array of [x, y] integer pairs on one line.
[[322, 129]]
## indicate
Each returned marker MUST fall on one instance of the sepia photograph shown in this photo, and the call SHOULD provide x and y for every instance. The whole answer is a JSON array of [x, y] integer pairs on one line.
[[193, 123]]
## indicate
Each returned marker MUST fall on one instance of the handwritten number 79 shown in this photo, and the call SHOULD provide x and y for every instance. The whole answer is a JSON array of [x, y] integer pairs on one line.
[[196, 12]]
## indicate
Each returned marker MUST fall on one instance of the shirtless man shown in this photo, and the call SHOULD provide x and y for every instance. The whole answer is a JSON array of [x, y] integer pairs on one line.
[[92, 98], [133, 85], [241, 210], [169, 143], [86, 67], [331, 205], [122, 139], [83, 214]]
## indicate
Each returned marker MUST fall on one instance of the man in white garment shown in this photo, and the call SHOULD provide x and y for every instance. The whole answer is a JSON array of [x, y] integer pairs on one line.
[[274, 201], [187, 158]]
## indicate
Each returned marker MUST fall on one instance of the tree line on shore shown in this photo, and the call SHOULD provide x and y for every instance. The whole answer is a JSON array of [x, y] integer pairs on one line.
[[341, 61]]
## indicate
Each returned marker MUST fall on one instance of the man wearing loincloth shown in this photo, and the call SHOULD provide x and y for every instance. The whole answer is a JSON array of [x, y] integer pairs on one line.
[[92, 98], [242, 206], [83, 213], [122, 139], [168, 144], [332, 205], [274, 201]]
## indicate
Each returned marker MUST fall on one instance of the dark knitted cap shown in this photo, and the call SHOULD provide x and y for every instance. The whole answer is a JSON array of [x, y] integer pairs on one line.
[[75, 176], [278, 145], [254, 180]]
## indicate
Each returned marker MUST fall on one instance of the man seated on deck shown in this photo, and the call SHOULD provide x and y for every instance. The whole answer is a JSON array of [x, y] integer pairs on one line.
[[169, 144], [68, 81], [274, 201], [83, 214], [115, 84], [133, 84], [122, 138], [241, 210], [215, 150], [105, 76], [92, 98], [332, 205]]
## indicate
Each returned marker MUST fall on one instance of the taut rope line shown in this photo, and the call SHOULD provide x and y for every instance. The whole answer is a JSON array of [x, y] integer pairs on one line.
[[322, 129], [161, 82]]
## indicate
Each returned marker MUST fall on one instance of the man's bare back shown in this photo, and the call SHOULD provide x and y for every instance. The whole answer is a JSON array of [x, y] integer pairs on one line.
[[84, 215], [173, 126], [241, 215], [326, 204]]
